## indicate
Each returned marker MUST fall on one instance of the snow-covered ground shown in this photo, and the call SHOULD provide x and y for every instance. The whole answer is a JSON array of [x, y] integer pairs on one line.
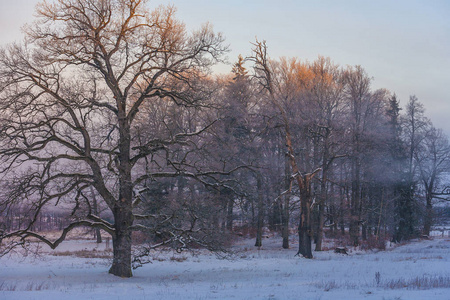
[[419, 270]]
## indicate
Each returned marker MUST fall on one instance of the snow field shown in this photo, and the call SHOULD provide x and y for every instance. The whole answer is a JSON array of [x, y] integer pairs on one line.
[[419, 270]]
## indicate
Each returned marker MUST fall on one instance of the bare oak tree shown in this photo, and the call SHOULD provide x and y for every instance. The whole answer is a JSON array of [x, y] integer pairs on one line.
[[70, 97]]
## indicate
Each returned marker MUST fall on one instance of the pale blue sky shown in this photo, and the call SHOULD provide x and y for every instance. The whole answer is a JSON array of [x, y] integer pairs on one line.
[[403, 44]]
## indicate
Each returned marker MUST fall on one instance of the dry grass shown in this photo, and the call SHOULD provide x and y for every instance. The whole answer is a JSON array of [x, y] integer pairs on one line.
[[30, 286], [418, 283], [85, 253], [178, 258]]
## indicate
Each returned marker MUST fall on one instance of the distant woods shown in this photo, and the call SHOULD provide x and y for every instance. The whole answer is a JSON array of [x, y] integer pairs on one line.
[[112, 118], [337, 158]]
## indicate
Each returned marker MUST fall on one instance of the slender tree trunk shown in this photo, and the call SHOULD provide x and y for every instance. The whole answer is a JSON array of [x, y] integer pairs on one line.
[[378, 229], [355, 203], [354, 230], [322, 203], [342, 209], [252, 207], [286, 204], [333, 219], [98, 236], [97, 232], [428, 222], [285, 227], [320, 227], [260, 220], [275, 220], [364, 230], [230, 205], [362, 222]]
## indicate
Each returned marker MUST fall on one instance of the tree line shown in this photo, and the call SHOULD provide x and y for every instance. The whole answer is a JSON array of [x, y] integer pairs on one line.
[[111, 114]]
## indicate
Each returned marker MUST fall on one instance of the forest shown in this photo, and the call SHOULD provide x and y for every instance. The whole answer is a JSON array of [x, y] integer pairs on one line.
[[113, 119]]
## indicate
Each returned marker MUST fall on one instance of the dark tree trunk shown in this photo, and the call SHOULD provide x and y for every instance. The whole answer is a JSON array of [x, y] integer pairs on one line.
[[405, 214], [341, 211], [333, 219], [98, 236], [285, 221], [342, 194], [230, 205], [355, 202], [304, 226], [428, 222], [275, 219], [286, 204], [354, 230], [121, 265], [97, 233], [122, 210], [320, 227], [364, 230], [260, 221], [322, 204], [428, 219]]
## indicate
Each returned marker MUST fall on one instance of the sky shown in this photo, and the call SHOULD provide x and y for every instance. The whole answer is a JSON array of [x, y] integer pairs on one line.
[[404, 44]]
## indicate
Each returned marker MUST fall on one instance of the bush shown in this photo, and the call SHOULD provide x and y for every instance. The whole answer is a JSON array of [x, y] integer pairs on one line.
[[373, 242]]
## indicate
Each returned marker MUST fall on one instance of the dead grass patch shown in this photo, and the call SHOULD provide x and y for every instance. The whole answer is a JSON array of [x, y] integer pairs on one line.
[[178, 258], [84, 253], [419, 283]]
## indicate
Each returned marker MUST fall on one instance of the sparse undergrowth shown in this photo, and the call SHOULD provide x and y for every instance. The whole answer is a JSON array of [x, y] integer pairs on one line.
[[30, 286], [85, 253], [416, 283]]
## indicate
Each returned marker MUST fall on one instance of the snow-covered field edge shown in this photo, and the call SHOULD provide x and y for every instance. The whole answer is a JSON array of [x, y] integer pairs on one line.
[[418, 270]]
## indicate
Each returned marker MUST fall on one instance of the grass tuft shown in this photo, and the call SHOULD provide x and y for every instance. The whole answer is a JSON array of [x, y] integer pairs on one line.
[[419, 283]]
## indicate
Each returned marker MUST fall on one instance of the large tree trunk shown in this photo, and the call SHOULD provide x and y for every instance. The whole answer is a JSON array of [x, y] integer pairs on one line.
[[122, 210], [122, 243], [304, 184], [122, 254], [304, 226]]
